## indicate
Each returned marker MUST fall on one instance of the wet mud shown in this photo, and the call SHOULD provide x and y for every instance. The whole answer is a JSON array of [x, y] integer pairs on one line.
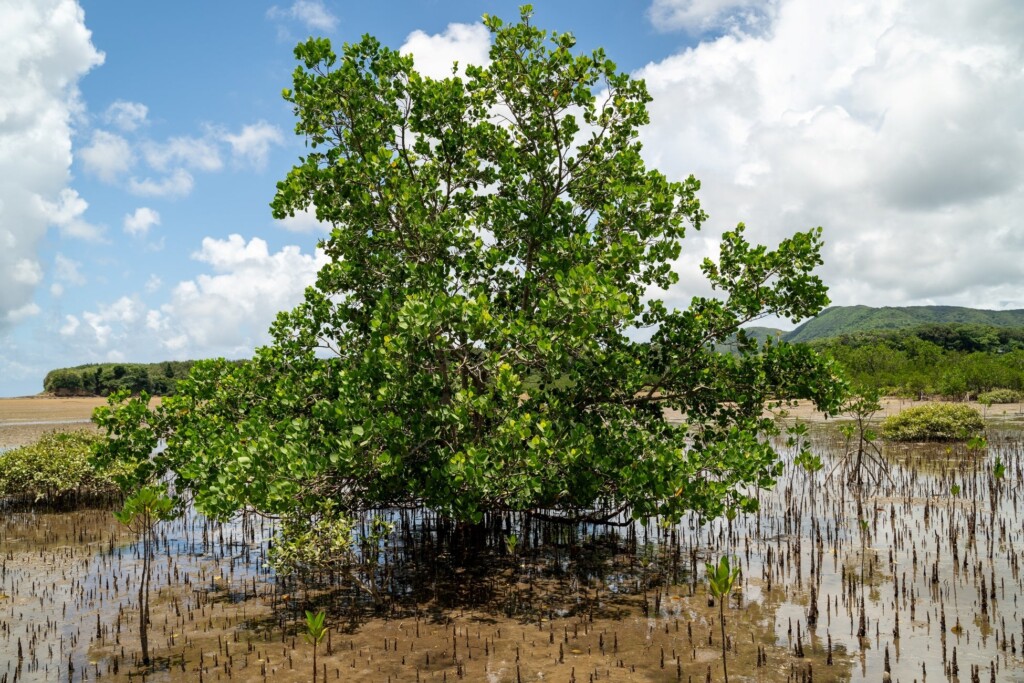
[[904, 581]]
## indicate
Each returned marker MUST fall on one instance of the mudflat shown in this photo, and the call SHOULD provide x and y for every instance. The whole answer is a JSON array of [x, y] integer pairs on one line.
[[24, 420]]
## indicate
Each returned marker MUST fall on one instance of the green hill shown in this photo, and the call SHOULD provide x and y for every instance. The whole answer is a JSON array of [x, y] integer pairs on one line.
[[848, 320], [102, 379], [760, 334]]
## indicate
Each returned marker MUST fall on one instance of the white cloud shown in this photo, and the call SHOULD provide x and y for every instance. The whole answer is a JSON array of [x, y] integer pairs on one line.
[[126, 115], [68, 270], [107, 156], [46, 49], [251, 145], [27, 271], [22, 313], [178, 184], [700, 16], [903, 137], [304, 221], [435, 54], [66, 213], [312, 13], [198, 154], [226, 311], [70, 326], [139, 222], [107, 324]]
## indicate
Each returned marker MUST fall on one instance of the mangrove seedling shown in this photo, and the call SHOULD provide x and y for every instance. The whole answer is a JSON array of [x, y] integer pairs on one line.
[[999, 469], [141, 513], [511, 542], [721, 580], [315, 632], [862, 458]]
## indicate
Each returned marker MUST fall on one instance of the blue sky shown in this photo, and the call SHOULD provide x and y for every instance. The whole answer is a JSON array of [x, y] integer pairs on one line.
[[140, 144]]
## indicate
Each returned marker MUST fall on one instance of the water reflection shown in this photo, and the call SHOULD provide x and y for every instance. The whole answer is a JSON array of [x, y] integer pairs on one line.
[[907, 572]]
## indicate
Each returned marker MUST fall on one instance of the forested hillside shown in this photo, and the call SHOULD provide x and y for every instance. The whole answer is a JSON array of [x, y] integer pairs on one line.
[[955, 361], [102, 379], [845, 320]]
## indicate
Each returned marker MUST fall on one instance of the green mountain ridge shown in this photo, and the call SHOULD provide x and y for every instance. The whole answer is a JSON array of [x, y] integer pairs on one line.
[[838, 321]]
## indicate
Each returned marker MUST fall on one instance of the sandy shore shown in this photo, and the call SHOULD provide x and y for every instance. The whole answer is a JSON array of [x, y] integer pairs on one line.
[[805, 411], [24, 420]]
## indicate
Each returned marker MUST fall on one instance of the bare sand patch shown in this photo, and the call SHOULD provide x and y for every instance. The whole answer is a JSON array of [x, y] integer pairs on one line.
[[805, 411], [24, 420]]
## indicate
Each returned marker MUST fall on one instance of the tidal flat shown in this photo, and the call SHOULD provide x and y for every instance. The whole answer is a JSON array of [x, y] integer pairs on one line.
[[916, 577]]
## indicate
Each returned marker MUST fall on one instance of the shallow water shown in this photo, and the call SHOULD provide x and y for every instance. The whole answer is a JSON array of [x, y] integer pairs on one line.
[[585, 604]]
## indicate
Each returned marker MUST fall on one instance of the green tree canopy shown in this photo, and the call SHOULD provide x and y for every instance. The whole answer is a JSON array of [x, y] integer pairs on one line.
[[484, 336]]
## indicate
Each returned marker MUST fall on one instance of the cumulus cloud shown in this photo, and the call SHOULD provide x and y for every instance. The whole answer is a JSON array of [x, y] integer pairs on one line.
[[435, 54], [66, 213], [46, 49], [701, 16], [26, 271], [70, 326], [140, 221], [251, 145], [22, 313], [199, 154], [178, 184], [312, 13], [68, 270], [224, 311], [126, 115], [304, 221], [108, 323], [903, 137], [107, 156]]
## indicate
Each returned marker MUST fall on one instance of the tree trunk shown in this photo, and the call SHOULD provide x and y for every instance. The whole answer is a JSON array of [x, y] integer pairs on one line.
[[721, 621], [144, 593]]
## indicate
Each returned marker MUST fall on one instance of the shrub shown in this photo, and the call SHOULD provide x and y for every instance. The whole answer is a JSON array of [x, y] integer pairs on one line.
[[934, 422], [999, 396], [63, 383], [55, 467]]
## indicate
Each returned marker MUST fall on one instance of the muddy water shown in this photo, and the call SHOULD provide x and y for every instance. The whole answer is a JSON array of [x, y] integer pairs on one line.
[[906, 572]]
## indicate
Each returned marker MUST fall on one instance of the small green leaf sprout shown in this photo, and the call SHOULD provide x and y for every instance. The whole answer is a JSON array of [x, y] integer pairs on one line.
[[315, 632], [511, 543], [721, 580], [998, 469]]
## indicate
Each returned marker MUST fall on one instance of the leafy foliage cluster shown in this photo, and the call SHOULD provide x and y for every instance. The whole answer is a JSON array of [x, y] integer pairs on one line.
[[846, 320], [56, 467], [955, 361], [471, 346], [1000, 396], [318, 541], [934, 422], [103, 379], [948, 337]]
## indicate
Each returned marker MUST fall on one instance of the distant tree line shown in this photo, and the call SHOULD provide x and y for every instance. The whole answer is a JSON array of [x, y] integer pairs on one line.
[[103, 379], [958, 361]]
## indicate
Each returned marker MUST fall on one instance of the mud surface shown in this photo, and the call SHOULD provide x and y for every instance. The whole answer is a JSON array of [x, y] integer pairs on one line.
[[919, 574], [24, 420]]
